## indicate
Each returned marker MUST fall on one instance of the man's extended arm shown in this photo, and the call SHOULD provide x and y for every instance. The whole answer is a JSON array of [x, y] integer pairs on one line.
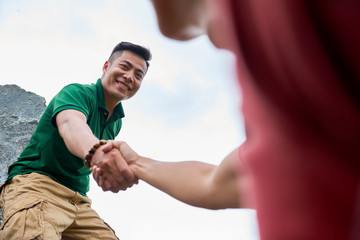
[[195, 183], [76, 134], [79, 138]]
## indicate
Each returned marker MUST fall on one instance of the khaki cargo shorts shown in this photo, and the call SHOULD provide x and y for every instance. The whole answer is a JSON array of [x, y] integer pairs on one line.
[[37, 207]]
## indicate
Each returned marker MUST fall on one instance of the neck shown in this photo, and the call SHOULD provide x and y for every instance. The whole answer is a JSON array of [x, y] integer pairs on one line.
[[110, 105], [110, 110]]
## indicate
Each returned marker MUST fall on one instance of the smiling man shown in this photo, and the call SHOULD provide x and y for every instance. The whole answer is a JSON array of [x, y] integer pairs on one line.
[[44, 196]]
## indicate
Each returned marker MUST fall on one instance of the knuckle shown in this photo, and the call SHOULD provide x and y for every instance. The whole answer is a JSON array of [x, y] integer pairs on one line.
[[114, 152], [123, 170]]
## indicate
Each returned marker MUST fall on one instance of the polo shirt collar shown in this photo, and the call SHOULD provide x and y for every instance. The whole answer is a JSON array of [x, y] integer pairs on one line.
[[118, 110]]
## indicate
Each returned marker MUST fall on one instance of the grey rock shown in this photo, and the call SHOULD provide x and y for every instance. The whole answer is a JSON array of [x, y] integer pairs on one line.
[[20, 112]]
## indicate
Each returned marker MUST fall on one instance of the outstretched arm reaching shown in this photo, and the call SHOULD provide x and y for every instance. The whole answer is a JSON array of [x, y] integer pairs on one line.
[[193, 182], [79, 138]]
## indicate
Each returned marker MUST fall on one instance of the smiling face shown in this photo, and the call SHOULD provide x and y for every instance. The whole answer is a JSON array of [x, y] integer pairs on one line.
[[122, 77]]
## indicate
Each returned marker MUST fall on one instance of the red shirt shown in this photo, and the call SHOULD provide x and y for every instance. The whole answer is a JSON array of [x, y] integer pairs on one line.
[[299, 72]]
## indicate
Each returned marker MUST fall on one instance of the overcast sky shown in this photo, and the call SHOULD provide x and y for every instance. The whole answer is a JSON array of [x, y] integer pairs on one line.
[[187, 108]]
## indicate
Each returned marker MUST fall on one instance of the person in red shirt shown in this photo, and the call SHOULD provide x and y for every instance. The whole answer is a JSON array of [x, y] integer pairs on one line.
[[298, 65]]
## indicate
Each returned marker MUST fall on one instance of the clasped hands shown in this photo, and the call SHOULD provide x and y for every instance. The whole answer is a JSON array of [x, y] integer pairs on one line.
[[111, 166]]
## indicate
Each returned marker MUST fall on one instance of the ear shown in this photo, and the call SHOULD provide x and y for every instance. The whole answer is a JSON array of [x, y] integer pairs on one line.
[[105, 67]]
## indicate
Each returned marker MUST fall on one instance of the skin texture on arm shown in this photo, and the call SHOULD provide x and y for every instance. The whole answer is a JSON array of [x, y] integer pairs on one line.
[[79, 138], [195, 183], [76, 134]]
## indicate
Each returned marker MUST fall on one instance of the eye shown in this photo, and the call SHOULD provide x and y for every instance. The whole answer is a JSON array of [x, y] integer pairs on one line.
[[138, 76], [124, 66]]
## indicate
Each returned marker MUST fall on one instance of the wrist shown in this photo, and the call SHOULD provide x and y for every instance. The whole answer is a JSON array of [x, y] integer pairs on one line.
[[91, 152], [140, 166]]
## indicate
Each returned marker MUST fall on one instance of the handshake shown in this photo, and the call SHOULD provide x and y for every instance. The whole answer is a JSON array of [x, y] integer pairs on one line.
[[113, 166]]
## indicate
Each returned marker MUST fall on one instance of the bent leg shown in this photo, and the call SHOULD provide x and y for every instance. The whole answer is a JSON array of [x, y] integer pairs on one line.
[[30, 211], [88, 225]]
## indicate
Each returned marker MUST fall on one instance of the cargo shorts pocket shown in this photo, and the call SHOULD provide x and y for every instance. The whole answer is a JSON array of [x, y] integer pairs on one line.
[[23, 222]]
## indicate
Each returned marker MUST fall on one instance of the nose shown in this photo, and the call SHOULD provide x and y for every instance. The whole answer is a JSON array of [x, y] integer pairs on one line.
[[129, 76]]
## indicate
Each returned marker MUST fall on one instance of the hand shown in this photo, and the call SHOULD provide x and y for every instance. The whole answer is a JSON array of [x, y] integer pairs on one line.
[[130, 156], [111, 171]]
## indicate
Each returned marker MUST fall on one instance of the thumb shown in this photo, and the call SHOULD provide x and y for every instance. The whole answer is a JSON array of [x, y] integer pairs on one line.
[[128, 153], [107, 147]]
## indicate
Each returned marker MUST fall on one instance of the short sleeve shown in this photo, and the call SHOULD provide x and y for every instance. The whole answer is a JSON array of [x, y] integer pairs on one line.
[[74, 96]]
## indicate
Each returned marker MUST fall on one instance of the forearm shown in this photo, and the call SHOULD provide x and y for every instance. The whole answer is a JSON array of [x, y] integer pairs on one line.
[[79, 140], [76, 134], [196, 183], [192, 182]]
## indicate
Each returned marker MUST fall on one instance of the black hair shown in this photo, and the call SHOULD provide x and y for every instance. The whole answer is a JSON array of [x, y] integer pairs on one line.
[[137, 49]]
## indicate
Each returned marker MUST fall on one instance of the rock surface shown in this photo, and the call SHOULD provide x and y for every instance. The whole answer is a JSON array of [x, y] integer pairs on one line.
[[20, 112]]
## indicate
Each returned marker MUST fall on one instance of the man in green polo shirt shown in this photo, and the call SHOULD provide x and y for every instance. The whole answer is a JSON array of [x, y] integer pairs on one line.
[[44, 196]]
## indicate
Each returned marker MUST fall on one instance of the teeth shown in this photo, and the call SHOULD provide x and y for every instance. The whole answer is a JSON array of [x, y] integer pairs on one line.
[[126, 87]]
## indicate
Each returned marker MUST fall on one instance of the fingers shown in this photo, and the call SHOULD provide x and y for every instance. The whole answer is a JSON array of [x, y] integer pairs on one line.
[[96, 172], [113, 173], [125, 173], [116, 144], [97, 175], [103, 182]]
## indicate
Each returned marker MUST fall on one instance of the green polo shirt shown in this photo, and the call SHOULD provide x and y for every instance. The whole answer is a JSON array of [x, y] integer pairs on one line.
[[47, 153]]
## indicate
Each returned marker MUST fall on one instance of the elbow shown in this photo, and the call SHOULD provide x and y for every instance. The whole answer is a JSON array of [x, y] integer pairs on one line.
[[222, 197], [219, 205]]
